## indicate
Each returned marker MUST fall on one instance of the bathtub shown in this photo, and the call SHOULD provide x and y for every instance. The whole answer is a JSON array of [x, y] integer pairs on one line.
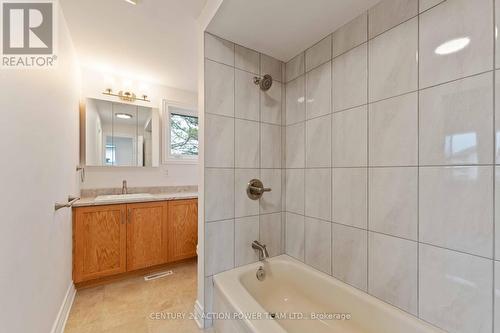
[[291, 292]]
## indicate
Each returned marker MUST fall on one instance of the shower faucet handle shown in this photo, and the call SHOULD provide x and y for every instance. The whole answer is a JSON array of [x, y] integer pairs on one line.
[[255, 189]]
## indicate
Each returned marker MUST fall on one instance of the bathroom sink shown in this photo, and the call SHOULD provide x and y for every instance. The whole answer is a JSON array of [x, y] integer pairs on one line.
[[124, 197]]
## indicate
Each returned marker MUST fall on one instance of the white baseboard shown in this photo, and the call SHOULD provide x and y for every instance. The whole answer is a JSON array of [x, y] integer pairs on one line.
[[63, 314], [198, 313]]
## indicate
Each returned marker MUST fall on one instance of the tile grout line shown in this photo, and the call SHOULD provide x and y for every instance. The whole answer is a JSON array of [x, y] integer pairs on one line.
[[367, 152], [234, 156], [332, 49], [494, 162], [418, 159], [305, 153]]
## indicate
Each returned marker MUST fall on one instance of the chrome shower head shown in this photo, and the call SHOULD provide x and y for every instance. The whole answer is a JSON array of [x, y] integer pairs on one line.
[[264, 82]]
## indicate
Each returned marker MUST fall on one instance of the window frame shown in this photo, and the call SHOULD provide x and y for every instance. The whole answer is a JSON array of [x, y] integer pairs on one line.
[[186, 110]]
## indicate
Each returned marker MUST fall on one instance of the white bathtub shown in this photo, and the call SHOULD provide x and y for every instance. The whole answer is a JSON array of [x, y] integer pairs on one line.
[[291, 289]]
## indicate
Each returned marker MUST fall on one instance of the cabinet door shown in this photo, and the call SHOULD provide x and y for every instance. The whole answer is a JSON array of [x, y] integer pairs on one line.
[[99, 242], [146, 235], [182, 229]]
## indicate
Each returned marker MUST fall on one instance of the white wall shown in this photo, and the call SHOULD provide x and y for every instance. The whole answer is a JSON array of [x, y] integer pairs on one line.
[[94, 82], [39, 126]]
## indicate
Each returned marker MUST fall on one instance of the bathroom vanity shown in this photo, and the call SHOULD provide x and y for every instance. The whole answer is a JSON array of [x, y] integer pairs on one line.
[[115, 236]]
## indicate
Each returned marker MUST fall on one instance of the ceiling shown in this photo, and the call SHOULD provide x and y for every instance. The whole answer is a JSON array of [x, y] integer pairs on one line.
[[154, 41], [283, 28]]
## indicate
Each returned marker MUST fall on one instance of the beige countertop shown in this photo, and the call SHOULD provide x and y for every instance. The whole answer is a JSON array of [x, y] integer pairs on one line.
[[85, 202]]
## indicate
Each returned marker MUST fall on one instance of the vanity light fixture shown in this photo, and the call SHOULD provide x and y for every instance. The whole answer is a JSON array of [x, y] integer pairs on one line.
[[123, 115], [126, 95], [132, 2], [452, 46]]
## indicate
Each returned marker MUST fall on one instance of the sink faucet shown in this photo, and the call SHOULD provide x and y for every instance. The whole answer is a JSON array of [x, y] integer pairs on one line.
[[124, 187], [263, 254]]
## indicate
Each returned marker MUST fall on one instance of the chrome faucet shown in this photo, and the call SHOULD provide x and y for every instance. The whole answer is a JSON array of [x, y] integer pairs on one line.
[[263, 254], [124, 187]]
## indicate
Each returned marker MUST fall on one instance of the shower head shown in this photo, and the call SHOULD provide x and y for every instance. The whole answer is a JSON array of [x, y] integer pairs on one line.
[[264, 82]]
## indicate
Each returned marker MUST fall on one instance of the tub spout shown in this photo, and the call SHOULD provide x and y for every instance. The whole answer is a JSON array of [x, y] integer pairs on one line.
[[263, 254]]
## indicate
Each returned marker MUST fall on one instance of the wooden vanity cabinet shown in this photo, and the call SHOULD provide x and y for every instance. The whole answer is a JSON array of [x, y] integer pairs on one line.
[[182, 229], [99, 242], [113, 239], [146, 234]]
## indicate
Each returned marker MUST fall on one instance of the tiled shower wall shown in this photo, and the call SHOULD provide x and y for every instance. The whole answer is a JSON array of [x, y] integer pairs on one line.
[[390, 159], [243, 135]]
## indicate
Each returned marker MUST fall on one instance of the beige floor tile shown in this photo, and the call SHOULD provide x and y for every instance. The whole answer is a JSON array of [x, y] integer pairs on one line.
[[126, 306]]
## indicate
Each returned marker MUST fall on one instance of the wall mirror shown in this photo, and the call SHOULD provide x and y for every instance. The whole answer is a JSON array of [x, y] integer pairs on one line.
[[118, 134]]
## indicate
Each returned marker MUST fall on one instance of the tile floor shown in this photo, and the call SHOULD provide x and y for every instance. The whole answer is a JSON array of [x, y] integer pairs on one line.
[[126, 306]]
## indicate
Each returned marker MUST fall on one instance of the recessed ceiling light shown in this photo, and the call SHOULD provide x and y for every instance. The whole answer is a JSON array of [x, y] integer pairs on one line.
[[452, 46], [132, 2], [123, 115]]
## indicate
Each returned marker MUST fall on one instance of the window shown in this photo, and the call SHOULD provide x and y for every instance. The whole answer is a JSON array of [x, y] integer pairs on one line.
[[181, 134]]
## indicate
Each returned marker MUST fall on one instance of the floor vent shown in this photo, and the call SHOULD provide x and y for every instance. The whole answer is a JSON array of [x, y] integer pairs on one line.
[[157, 275]]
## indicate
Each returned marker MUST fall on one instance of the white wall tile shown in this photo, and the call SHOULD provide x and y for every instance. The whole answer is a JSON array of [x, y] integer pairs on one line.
[[271, 66], [497, 214], [219, 194], [246, 154], [350, 35], [219, 131], [295, 101], [455, 290], [295, 190], [219, 49], [270, 202], [295, 67], [427, 4], [393, 131], [455, 122], [393, 201], [496, 314], [497, 117], [497, 42], [270, 233], [319, 53], [318, 91], [295, 236], [464, 19], [246, 104], [456, 208], [318, 193], [350, 137], [270, 146], [319, 142], [393, 62], [219, 89], [389, 13], [295, 145], [318, 242], [270, 104], [246, 230], [392, 271], [350, 196], [349, 255], [350, 77], [243, 205], [220, 247], [246, 59], [208, 293]]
